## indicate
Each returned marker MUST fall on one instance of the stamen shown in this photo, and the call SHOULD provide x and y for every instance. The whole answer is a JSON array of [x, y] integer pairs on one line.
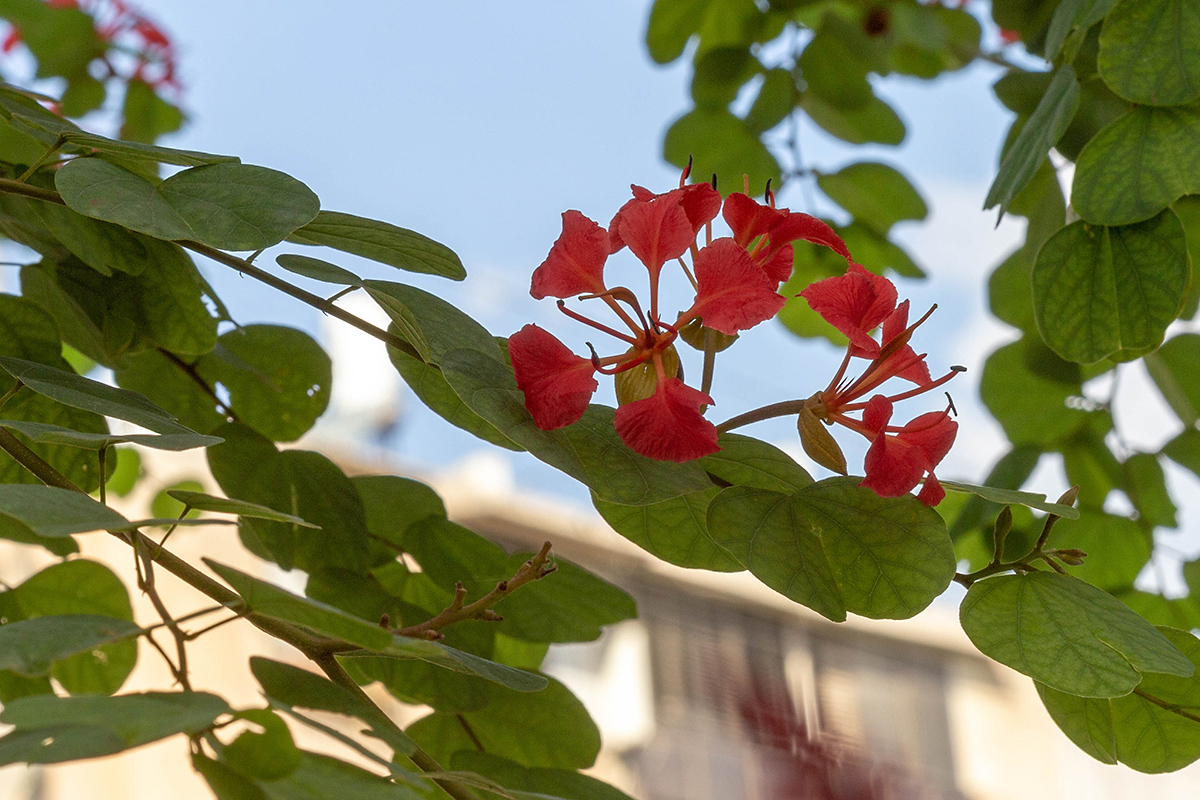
[[714, 180], [768, 195], [562, 306], [746, 184], [840, 373], [688, 272], [686, 172], [599, 363], [950, 400], [930, 387]]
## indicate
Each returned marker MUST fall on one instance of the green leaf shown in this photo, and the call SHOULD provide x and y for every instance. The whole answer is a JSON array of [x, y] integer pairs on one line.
[[294, 686], [50, 729], [1137, 730], [746, 461], [589, 450], [875, 194], [146, 115], [1117, 548], [1173, 368], [47, 511], [719, 73], [431, 325], [1184, 450], [1010, 496], [81, 587], [1026, 387], [768, 534], [1070, 23], [1067, 634], [318, 270], [542, 781], [459, 661], [874, 122], [267, 599], [556, 730], [672, 23], [834, 66], [449, 553], [239, 206], [1138, 165], [56, 434], [381, 242], [1098, 291], [775, 101], [674, 530], [300, 483], [207, 502], [720, 143], [166, 382], [270, 755], [80, 392], [1045, 126], [101, 190], [392, 504], [429, 384], [149, 152], [1150, 52], [891, 556], [29, 647], [1147, 489], [228, 206], [278, 378]]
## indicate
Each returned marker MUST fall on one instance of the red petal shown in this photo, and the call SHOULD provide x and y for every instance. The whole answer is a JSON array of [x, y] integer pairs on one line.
[[793, 226], [700, 202], [893, 466], [854, 303], [932, 433], [556, 382], [932, 492], [733, 293], [779, 266], [576, 262], [748, 218], [668, 425], [640, 195], [877, 413], [656, 231]]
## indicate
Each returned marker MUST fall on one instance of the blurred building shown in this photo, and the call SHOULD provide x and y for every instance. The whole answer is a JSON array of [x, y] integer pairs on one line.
[[720, 690]]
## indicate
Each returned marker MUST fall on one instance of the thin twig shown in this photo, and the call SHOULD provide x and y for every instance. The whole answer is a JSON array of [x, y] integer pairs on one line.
[[190, 371]]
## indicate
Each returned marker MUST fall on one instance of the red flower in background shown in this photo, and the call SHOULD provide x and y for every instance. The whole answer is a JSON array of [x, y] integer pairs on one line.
[[735, 282], [900, 456]]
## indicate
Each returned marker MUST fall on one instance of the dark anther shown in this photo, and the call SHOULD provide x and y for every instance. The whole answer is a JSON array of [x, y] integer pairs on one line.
[[950, 400], [714, 180], [595, 355], [688, 169], [958, 368]]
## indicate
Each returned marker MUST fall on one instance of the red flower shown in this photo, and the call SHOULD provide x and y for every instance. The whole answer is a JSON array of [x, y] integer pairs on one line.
[[668, 425], [778, 228], [556, 382], [732, 292], [576, 262], [857, 303]]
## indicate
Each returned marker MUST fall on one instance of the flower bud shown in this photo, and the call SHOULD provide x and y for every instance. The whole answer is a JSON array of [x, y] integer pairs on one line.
[[1071, 557], [1004, 522], [694, 332], [819, 442], [641, 381]]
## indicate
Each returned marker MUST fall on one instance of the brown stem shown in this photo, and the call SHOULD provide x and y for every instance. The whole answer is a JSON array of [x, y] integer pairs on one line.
[[534, 569], [147, 585], [1163, 704], [781, 409], [190, 371]]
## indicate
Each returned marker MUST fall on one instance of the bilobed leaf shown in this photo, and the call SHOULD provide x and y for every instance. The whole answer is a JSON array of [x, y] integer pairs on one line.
[[206, 502], [1150, 52], [80, 392], [1044, 127], [1138, 165], [746, 461], [81, 586], [556, 730], [101, 190], [1026, 387], [1173, 368], [381, 242], [1010, 496], [449, 553], [874, 122], [720, 143], [674, 530], [1067, 634], [1098, 291], [278, 378], [1137, 730], [429, 384], [768, 534], [775, 101], [672, 23], [318, 270], [30, 646], [875, 194], [239, 206], [890, 556], [48, 511], [56, 434], [231, 206], [267, 599]]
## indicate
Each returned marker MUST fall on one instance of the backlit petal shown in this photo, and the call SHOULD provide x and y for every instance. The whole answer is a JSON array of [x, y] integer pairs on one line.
[[854, 303], [668, 425], [748, 218], [932, 492], [933, 434], [893, 466], [733, 293], [575, 264], [656, 231], [794, 225], [557, 383]]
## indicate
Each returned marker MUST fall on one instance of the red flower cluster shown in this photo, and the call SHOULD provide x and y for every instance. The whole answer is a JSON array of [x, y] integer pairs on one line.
[[736, 282], [118, 22], [856, 303]]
